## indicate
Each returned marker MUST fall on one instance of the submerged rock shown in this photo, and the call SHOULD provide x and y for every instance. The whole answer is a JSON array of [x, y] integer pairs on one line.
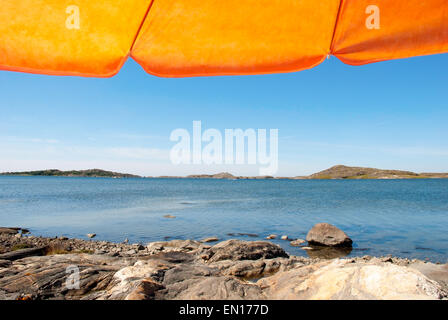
[[325, 234], [297, 242], [242, 234]]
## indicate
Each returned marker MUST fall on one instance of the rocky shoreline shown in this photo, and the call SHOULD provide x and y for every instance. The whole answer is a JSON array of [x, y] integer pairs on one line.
[[35, 268]]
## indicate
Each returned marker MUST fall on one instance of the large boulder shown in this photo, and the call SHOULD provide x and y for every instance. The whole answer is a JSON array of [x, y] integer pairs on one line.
[[325, 234], [174, 246], [245, 250]]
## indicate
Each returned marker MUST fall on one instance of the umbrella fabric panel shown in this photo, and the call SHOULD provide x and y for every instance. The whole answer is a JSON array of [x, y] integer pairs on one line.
[[199, 38], [370, 31], [68, 37]]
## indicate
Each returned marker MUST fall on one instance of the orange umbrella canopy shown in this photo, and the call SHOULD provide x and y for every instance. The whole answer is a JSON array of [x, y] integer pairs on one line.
[[179, 38], [68, 37]]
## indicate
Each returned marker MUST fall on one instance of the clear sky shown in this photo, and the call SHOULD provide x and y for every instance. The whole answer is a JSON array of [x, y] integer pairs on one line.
[[390, 115]]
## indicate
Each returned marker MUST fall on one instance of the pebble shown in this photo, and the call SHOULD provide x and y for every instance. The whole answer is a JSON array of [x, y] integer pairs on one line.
[[91, 235], [285, 237], [271, 236]]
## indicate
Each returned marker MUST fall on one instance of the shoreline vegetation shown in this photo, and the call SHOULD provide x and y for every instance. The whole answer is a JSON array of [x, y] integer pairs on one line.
[[93, 173], [339, 172], [38, 268]]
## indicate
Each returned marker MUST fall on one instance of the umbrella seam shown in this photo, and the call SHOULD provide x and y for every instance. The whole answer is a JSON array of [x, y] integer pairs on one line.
[[341, 3], [140, 27]]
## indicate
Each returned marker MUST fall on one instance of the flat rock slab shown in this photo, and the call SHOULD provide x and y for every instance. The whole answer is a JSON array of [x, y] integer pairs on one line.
[[436, 272], [210, 239], [219, 288], [9, 230], [345, 280], [23, 253], [45, 277], [5, 263]]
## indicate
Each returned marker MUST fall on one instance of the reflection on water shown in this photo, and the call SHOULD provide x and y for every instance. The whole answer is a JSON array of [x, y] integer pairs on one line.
[[328, 252], [407, 218]]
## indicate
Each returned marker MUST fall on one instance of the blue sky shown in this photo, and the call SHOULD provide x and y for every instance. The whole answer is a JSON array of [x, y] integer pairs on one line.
[[386, 115]]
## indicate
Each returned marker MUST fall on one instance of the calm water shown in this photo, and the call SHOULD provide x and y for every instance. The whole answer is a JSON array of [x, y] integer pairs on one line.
[[407, 218]]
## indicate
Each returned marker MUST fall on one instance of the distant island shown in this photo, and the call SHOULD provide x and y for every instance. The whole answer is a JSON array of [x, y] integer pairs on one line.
[[335, 172], [345, 172], [95, 173]]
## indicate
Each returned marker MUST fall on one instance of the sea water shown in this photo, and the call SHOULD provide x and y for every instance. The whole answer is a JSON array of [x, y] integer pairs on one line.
[[405, 218]]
